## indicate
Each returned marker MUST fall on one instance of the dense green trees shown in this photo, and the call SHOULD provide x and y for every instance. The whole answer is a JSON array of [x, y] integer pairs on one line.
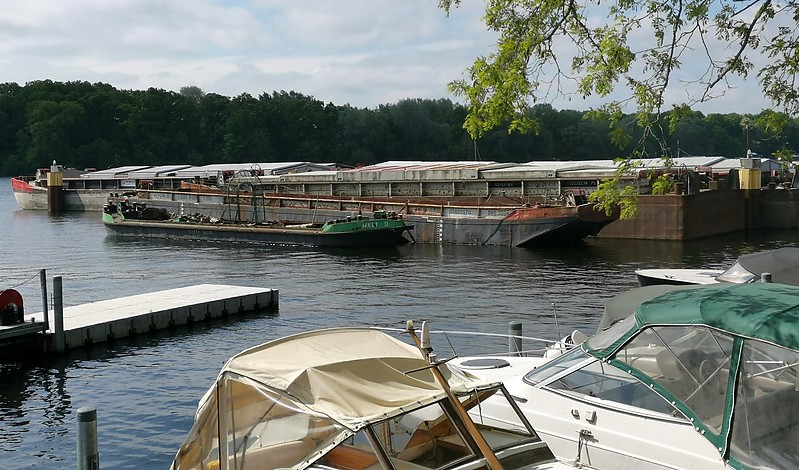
[[86, 125]]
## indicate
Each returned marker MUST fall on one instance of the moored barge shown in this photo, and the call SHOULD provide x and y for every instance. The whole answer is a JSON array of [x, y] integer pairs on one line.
[[471, 203]]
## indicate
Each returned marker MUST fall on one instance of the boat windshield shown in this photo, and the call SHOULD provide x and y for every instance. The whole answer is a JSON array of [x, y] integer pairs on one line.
[[611, 334], [765, 423], [426, 437], [429, 437], [597, 380], [736, 274], [557, 366]]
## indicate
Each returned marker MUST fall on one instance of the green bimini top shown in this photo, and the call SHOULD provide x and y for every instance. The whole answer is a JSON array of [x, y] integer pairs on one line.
[[765, 311]]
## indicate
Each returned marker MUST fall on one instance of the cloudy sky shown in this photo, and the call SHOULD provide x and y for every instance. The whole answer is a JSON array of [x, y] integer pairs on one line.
[[361, 52]]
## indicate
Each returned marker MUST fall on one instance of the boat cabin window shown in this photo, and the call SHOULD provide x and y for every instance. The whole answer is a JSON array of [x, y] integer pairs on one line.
[[557, 366], [736, 274], [595, 378], [691, 362], [765, 424], [611, 334], [602, 380]]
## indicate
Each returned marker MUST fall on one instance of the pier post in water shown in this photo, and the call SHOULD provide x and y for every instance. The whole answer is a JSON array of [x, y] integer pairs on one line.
[[43, 280], [55, 186], [765, 277], [514, 338], [88, 455], [58, 315]]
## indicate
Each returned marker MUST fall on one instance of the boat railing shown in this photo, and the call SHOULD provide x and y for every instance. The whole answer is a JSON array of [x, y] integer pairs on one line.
[[515, 343]]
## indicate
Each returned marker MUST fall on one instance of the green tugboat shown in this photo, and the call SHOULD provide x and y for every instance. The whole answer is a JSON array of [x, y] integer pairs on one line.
[[125, 219]]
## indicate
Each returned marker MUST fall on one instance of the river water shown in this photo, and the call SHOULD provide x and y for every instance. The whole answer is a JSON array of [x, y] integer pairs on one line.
[[146, 389]]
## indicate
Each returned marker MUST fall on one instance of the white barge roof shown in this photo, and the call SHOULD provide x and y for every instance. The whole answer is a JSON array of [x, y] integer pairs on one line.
[[162, 171], [111, 173], [417, 170]]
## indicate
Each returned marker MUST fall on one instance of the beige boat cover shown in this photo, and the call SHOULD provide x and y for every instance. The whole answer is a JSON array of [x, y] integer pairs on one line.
[[352, 375]]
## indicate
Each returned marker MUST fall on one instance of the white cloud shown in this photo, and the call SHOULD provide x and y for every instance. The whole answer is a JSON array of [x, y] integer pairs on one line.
[[362, 52]]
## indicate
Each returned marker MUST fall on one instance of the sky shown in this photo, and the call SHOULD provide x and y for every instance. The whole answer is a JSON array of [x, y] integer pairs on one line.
[[358, 52]]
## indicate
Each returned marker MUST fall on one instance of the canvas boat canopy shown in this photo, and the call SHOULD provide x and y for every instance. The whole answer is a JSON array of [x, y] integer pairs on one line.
[[352, 375], [288, 402]]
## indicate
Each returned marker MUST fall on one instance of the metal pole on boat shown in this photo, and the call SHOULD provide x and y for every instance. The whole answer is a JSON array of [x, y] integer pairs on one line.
[[58, 315], [492, 461], [557, 325], [88, 455], [43, 280], [765, 277], [514, 338]]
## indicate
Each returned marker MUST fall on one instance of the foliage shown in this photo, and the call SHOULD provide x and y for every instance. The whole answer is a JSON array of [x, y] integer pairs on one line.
[[85, 125], [612, 196], [784, 156], [663, 184], [631, 54], [531, 64]]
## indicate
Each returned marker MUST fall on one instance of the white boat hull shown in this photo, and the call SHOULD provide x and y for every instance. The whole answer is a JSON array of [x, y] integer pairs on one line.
[[653, 443], [649, 277]]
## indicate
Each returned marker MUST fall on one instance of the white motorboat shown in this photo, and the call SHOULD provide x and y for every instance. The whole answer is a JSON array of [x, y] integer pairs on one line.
[[698, 377], [354, 399], [782, 264]]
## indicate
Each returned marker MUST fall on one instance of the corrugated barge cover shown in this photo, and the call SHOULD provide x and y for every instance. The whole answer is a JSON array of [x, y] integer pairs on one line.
[[156, 171], [111, 173], [213, 170]]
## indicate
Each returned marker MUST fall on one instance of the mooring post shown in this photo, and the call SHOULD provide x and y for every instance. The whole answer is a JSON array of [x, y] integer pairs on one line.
[[43, 280], [514, 338], [88, 455], [58, 315], [765, 277], [55, 189]]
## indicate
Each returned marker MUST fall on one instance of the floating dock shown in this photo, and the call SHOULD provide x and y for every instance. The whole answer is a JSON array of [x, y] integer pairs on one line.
[[105, 320]]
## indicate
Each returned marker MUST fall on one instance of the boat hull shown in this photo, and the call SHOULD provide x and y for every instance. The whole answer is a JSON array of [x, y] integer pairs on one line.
[[437, 224], [525, 227], [254, 234], [676, 277], [30, 197]]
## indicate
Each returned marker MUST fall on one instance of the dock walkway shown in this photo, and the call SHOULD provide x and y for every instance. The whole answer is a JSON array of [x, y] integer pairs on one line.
[[101, 321]]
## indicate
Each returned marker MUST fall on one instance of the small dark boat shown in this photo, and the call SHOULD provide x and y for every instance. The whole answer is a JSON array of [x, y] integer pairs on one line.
[[126, 219]]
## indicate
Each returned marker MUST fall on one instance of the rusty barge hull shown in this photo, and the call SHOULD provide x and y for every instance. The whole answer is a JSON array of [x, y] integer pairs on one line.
[[432, 223]]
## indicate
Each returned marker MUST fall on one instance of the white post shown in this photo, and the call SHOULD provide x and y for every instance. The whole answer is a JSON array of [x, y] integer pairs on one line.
[[514, 338]]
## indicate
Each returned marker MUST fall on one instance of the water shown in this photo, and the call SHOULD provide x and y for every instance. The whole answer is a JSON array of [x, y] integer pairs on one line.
[[145, 389]]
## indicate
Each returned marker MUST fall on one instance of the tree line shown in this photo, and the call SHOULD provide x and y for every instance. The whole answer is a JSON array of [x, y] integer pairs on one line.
[[94, 125]]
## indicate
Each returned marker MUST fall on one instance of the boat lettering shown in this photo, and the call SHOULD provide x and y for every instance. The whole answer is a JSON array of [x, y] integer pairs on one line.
[[579, 183], [460, 211], [505, 184]]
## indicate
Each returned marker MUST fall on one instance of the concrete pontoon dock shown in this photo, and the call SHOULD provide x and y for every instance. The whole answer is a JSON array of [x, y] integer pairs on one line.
[[105, 320]]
